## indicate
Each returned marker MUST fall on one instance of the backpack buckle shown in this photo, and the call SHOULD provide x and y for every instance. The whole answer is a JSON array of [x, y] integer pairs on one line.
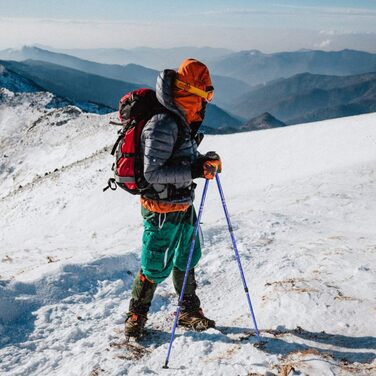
[[111, 184]]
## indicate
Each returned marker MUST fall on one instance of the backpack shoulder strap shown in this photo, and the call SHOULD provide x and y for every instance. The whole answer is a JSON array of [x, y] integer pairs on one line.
[[181, 135]]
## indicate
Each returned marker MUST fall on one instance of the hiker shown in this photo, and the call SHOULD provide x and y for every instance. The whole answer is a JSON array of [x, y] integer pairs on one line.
[[171, 161]]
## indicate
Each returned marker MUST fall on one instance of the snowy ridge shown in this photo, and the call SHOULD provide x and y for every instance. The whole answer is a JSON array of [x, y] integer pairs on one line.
[[302, 204], [36, 139], [15, 82]]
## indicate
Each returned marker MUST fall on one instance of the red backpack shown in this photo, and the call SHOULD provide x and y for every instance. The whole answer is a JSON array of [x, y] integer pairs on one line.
[[135, 109]]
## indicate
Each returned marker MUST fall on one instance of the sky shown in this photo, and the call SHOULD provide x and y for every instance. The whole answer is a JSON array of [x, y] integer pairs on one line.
[[266, 25]]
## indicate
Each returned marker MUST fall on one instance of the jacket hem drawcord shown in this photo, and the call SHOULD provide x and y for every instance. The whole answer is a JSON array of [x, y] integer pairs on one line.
[[161, 220]]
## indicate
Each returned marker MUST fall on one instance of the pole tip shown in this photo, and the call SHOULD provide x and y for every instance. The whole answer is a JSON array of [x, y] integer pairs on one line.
[[166, 365]]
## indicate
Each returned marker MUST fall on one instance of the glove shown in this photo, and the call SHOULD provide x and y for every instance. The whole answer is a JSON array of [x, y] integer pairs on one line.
[[206, 166]]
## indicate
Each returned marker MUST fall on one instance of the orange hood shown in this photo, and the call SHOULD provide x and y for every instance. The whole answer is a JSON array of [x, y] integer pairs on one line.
[[197, 74]]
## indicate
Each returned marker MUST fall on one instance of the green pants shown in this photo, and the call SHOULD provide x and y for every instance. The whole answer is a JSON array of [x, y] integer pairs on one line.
[[166, 242]]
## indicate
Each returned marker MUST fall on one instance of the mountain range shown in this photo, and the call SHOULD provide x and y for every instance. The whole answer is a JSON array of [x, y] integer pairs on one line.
[[308, 97], [255, 67], [155, 58], [134, 73], [227, 89], [71, 83], [293, 93], [89, 92]]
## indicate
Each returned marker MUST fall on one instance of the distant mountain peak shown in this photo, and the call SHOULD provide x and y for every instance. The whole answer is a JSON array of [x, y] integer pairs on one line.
[[263, 121]]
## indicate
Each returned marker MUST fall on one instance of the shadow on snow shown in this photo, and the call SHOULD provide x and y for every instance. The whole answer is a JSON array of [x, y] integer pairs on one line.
[[277, 345]]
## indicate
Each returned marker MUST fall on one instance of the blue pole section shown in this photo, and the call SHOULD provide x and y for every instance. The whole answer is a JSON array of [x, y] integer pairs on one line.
[[186, 272], [237, 255]]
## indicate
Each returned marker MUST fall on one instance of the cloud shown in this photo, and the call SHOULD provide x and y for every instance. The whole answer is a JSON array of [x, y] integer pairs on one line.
[[324, 44], [235, 11], [331, 11], [329, 32], [353, 40], [66, 33], [288, 10], [77, 33]]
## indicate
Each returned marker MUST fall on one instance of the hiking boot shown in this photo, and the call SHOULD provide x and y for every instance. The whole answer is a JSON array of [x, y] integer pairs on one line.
[[192, 316], [195, 320], [134, 325]]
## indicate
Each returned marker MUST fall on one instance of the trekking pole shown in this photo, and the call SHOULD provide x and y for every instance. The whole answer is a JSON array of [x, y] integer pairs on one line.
[[195, 232], [230, 228]]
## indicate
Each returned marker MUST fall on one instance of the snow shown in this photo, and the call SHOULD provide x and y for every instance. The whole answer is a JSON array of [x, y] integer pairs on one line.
[[302, 202]]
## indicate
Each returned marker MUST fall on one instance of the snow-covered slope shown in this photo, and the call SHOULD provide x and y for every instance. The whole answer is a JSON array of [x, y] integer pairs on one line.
[[40, 133], [302, 201]]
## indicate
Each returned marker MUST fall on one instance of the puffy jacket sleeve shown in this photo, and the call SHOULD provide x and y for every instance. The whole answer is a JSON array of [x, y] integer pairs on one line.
[[159, 137]]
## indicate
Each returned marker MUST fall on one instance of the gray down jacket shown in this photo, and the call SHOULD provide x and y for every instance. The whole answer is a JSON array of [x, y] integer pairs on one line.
[[168, 149]]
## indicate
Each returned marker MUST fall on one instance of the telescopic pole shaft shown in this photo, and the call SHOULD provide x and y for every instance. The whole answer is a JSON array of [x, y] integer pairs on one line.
[[237, 255], [195, 232]]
